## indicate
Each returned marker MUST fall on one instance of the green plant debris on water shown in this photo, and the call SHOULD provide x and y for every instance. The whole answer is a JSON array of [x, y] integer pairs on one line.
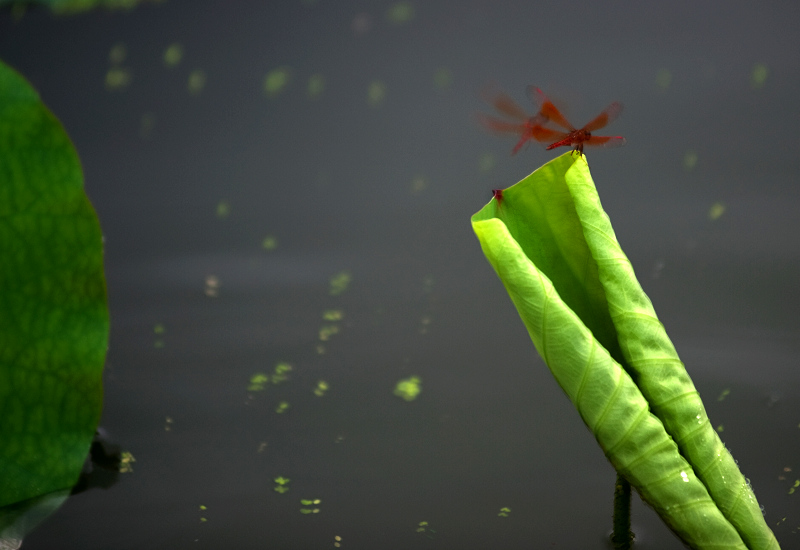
[[276, 80], [146, 125], [333, 315], [716, 211], [211, 288], [270, 242], [126, 461], [424, 528], [327, 331], [310, 502], [340, 282], [725, 393], [428, 281], [419, 184], [321, 388], [281, 484], [282, 407], [424, 323], [504, 512], [400, 13], [159, 330], [118, 53], [486, 162], [376, 93], [223, 209], [408, 388], [259, 380], [173, 55], [442, 78], [663, 78], [758, 76], [117, 78], [690, 160], [197, 81], [316, 85]]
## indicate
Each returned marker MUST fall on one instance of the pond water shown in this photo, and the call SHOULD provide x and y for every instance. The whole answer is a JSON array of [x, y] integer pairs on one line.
[[290, 183]]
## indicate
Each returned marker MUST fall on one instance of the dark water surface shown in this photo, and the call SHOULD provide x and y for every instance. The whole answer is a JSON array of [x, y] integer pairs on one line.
[[384, 192]]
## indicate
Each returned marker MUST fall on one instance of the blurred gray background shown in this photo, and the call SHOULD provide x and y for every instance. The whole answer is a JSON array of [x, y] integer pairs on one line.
[[241, 155]]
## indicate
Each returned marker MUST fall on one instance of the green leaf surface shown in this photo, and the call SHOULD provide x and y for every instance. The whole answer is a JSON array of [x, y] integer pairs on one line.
[[53, 312], [555, 251]]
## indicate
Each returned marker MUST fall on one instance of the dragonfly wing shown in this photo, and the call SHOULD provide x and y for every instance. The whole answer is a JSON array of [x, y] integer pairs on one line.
[[498, 126], [605, 141], [547, 109], [606, 117]]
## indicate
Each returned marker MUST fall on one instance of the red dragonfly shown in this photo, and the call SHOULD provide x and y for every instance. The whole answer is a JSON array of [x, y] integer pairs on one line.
[[533, 127]]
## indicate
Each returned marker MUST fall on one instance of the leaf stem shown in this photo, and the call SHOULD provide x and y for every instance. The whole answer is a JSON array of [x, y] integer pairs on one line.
[[622, 537]]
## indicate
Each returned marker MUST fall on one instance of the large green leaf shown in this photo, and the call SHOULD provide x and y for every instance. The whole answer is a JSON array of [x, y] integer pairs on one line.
[[53, 311], [554, 249]]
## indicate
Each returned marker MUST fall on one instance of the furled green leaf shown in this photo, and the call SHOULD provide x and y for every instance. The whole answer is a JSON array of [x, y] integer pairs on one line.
[[53, 312], [554, 249]]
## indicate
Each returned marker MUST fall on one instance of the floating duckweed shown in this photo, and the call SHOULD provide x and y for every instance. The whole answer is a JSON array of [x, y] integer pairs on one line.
[[197, 81], [270, 242], [146, 125], [717, 209], [203, 509], [408, 388], [309, 502], [424, 323], [759, 75], [322, 387], [173, 54], [117, 78], [486, 162], [223, 209], [118, 53], [340, 282], [663, 78], [212, 286], [376, 93], [282, 371], [418, 184], [443, 78], [725, 393], [316, 85], [159, 330], [281, 484], [690, 160], [258, 382], [427, 284], [327, 331], [126, 460], [425, 528], [338, 542], [401, 12], [276, 81], [504, 512], [333, 314], [282, 407]]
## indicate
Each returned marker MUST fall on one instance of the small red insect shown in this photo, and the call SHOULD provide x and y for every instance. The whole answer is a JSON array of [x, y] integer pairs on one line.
[[533, 127]]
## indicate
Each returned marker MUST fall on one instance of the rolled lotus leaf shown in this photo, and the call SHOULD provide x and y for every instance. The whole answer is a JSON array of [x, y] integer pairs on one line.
[[553, 247]]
